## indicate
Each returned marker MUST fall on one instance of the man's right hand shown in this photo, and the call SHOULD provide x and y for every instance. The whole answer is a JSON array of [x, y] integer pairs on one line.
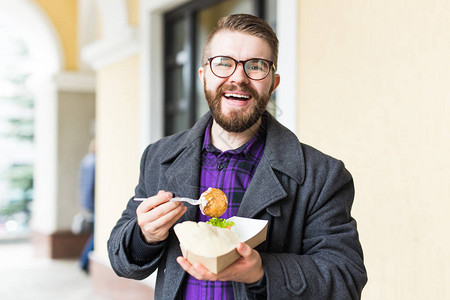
[[157, 214]]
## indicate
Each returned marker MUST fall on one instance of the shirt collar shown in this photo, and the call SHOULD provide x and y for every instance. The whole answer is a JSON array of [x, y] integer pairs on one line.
[[251, 149]]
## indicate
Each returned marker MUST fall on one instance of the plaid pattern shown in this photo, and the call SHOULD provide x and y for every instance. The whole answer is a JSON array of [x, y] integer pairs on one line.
[[231, 171]]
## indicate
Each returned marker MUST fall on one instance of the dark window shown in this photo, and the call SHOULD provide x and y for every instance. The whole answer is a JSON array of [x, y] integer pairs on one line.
[[186, 30]]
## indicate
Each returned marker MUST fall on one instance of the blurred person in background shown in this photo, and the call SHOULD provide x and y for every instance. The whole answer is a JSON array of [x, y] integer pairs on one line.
[[87, 200]]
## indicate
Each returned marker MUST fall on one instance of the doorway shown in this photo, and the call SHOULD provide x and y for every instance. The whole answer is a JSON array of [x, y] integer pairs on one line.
[[186, 29]]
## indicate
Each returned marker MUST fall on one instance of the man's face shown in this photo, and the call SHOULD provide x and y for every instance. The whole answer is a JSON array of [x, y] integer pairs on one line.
[[237, 102]]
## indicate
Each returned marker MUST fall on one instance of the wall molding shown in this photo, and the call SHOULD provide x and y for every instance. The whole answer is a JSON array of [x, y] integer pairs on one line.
[[119, 40], [109, 50], [287, 91], [75, 82]]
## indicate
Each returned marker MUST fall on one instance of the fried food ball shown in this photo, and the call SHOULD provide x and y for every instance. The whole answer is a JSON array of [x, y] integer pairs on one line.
[[214, 203]]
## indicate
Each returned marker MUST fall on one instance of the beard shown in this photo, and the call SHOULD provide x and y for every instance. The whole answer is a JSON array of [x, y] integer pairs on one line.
[[237, 120]]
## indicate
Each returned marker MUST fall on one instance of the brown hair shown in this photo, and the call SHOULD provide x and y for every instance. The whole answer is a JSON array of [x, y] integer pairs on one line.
[[248, 24]]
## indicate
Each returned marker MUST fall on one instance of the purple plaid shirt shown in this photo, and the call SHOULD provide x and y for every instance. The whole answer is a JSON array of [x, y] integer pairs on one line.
[[231, 171]]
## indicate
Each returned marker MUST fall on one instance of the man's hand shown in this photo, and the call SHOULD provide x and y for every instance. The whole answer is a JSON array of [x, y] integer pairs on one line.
[[157, 214], [247, 269]]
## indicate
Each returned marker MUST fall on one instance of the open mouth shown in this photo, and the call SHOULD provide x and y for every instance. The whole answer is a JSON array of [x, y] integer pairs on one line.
[[236, 97]]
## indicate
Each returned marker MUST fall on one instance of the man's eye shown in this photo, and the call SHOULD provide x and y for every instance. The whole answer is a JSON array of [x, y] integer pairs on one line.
[[255, 67], [224, 64]]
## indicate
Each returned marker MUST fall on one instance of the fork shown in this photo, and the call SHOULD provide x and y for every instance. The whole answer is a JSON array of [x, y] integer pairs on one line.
[[188, 200]]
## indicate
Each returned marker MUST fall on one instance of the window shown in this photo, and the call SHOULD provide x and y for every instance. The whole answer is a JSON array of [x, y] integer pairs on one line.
[[186, 30]]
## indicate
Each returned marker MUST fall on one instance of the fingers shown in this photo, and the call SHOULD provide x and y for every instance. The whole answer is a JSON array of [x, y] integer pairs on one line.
[[244, 250], [157, 214], [163, 218], [154, 201], [247, 269], [157, 207], [197, 270]]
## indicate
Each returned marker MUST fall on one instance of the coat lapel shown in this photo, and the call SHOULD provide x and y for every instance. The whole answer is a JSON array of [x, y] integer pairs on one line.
[[183, 178], [281, 150], [263, 191], [184, 157]]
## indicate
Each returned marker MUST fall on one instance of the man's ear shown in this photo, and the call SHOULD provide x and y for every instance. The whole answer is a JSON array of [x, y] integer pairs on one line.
[[276, 82], [201, 73]]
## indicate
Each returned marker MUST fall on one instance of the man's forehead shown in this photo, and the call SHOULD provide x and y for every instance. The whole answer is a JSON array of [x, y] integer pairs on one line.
[[231, 43]]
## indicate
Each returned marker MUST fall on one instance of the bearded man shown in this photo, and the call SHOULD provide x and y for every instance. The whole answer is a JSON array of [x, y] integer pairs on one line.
[[312, 250]]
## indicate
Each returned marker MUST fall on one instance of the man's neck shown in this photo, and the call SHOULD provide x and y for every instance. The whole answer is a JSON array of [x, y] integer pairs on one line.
[[224, 140]]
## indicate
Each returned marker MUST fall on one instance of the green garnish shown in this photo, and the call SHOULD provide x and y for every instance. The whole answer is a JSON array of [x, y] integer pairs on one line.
[[222, 223]]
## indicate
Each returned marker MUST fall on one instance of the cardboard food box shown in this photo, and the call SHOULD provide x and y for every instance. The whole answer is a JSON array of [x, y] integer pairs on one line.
[[250, 231]]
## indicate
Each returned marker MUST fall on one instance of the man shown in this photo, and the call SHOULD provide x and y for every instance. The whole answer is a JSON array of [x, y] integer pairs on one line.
[[312, 249], [87, 200]]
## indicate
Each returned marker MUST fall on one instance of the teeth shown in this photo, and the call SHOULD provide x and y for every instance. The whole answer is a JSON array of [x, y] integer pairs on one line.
[[237, 96]]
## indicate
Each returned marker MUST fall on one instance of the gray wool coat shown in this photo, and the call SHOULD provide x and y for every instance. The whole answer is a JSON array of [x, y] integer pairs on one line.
[[312, 249]]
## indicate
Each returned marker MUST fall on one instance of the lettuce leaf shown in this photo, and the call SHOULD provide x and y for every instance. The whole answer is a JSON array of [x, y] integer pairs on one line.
[[219, 222]]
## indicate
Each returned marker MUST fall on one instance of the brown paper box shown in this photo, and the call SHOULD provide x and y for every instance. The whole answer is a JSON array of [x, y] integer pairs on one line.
[[250, 231]]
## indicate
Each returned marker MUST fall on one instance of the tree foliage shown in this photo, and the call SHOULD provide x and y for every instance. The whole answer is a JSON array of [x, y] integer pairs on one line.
[[20, 125]]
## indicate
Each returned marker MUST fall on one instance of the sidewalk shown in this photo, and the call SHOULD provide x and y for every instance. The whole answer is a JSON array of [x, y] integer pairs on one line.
[[23, 277]]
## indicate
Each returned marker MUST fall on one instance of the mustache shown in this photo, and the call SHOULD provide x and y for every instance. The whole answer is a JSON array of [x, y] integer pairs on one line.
[[243, 87]]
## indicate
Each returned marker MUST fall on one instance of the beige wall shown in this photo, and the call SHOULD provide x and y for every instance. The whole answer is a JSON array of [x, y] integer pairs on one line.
[[374, 91], [133, 12], [117, 140]]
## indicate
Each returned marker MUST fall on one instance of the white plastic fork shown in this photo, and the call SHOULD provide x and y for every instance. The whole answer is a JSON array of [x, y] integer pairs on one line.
[[188, 200]]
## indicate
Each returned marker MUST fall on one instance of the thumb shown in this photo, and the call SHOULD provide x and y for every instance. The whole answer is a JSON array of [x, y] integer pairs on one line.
[[244, 249]]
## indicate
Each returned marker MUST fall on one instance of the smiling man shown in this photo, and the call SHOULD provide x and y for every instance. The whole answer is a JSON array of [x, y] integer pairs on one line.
[[312, 249], [238, 91]]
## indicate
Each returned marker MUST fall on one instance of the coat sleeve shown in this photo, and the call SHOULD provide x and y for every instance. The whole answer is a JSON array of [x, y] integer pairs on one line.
[[126, 247], [330, 265]]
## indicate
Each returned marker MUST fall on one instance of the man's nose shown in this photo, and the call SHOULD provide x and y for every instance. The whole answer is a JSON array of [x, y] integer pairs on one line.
[[239, 74]]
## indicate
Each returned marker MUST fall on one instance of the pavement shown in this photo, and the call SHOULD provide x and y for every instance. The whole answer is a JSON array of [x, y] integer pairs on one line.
[[23, 276]]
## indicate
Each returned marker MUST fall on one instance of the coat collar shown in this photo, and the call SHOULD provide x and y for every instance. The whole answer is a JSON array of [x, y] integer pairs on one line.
[[283, 155], [192, 137], [283, 150]]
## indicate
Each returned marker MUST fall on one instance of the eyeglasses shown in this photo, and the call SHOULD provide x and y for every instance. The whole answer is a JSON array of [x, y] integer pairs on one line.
[[254, 68]]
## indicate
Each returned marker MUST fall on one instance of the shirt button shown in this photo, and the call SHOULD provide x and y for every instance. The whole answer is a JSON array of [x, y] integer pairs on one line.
[[219, 166]]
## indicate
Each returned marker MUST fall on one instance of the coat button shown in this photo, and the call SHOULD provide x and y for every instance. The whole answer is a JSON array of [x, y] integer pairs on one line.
[[219, 166]]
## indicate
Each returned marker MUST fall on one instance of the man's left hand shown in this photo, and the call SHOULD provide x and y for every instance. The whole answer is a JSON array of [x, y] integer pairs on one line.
[[247, 269]]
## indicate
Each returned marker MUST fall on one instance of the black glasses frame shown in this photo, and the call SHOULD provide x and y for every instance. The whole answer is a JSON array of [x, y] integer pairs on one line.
[[236, 62]]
